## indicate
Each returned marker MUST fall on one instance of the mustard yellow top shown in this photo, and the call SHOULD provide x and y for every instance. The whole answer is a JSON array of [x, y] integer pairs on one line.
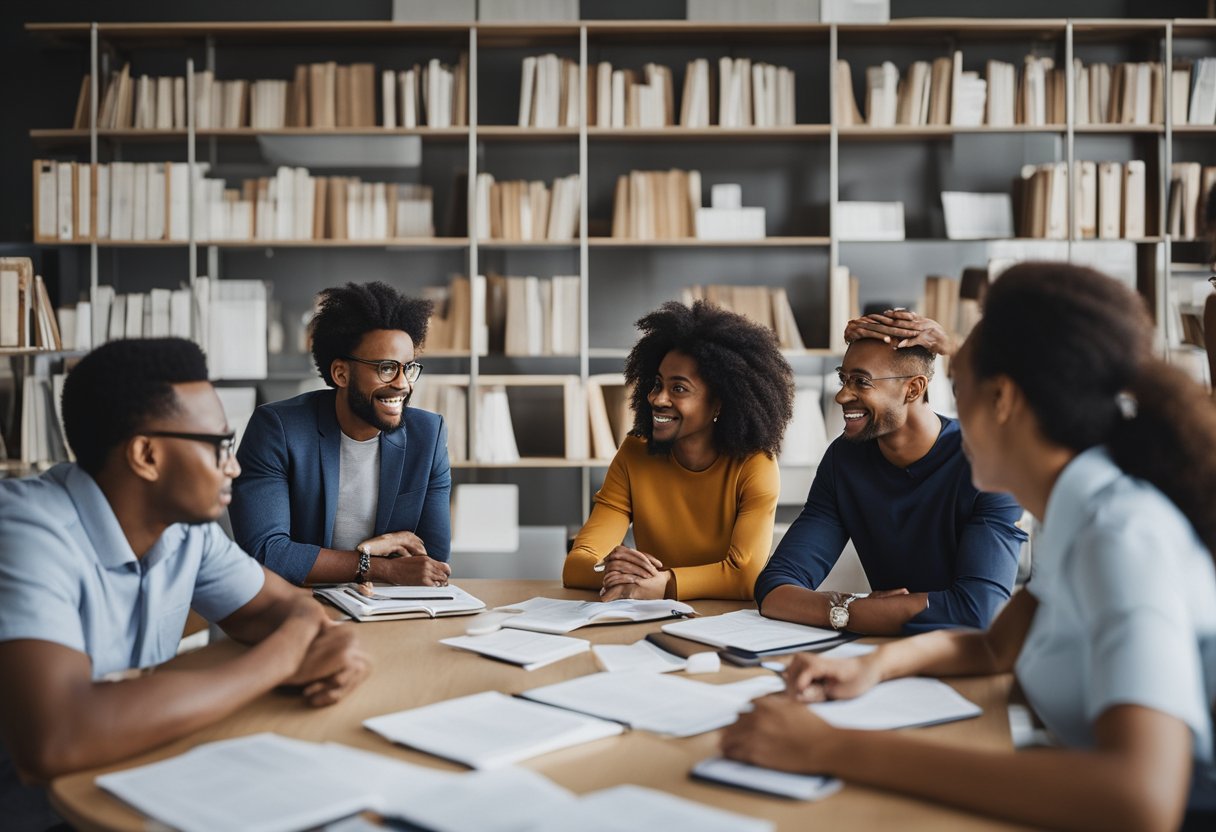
[[712, 528]]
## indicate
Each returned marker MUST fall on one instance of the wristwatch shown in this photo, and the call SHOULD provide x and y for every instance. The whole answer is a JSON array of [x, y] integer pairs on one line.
[[838, 615], [365, 566]]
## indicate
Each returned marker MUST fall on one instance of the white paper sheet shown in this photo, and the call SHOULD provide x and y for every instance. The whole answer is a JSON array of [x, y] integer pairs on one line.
[[551, 615], [630, 808], [490, 729], [650, 701], [900, 703], [527, 649], [641, 656], [747, 630], [505, 800]]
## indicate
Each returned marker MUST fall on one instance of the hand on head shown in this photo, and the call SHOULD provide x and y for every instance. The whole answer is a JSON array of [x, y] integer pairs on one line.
[[901, 328]]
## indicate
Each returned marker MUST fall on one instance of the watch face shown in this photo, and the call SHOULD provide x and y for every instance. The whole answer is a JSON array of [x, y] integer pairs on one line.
[[838, 617]]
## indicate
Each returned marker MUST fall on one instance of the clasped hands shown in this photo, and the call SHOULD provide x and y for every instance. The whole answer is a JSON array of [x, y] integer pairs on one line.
[[629, 573], [781, 733], [407, 562], [333, 663], [901, 328]]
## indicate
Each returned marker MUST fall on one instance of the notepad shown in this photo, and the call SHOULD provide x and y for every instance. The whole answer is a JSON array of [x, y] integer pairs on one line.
[[396, 602], [656, 702], [641, 656], [900, 703], [630, 808], [550, 615], [268, 783], [490, 729], [749, 631], [766, 780], [527, 649]]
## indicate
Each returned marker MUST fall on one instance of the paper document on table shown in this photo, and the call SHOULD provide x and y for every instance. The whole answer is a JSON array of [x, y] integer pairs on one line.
[[650, 701], [639, 656], [393, 602], [629, 808], [849, 651], [767, 780], [748, 630], [503, 800], [900, 703], [268, 784], [490, 729], [551, 615], [522, 647]]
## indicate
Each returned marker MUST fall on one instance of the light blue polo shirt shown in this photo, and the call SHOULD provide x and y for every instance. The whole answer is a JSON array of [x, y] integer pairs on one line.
[[1127, 609], [68, 575]]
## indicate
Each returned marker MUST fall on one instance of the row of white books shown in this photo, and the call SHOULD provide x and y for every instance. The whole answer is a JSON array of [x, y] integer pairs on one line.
[[429, 95], [1108, 200], [937, 93], [151, 201], [1126, 93], [548, 92], [656, 205], [523, 316], [1191, 186], [27, 319], [1193, 91], [765, 305], [521, 210]]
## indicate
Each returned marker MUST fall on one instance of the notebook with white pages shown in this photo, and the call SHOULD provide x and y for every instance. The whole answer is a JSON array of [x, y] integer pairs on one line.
[[766, 780], [912, 702], [522, 647], [388, 603], [629, 808], [489, 729], [749, 631], [639, 656], [657, 702], [550, 615]]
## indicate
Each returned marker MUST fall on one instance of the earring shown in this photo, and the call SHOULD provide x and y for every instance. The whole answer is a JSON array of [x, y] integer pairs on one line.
[[715, 420]]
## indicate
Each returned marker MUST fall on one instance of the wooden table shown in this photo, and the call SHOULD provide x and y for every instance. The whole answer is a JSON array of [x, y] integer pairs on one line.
[[412, 669]]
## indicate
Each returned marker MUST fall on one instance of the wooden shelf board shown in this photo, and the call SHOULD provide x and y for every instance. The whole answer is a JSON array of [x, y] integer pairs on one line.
[[20, 351], [938, 131], [408, 242], [492, 245], [692, 242], [530, 380], [1117, 129], [1194, 129], [1194, 27], [526, 462], [798, 131], [509, 132]]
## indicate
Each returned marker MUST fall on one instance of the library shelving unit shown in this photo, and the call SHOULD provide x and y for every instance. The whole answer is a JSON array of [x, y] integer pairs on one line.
[[798, 173]]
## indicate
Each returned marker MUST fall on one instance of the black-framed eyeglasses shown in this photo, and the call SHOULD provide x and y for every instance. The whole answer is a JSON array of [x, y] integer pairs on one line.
[[860, 383], [387, 368], [224, 443]]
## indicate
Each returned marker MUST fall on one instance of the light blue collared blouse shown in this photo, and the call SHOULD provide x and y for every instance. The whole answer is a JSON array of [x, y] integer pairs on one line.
[[1127, 608]]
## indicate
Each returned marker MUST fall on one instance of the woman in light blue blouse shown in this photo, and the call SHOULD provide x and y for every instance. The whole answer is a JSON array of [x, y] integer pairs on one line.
[[1114, 638]]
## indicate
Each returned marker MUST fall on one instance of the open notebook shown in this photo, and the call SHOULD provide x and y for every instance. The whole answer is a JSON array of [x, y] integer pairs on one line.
[[394, 602], [765, 780], [527, 649], [749, 632], [550, 615]]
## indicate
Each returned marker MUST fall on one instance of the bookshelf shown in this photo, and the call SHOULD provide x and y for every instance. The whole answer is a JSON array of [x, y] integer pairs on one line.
[[798, 173]]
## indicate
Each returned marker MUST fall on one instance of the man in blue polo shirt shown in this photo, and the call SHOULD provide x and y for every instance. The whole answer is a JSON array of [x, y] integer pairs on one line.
[[937, 552], [100, 562]]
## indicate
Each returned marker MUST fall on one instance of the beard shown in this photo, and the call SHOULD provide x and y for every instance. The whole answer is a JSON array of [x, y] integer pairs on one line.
[[363, 407], [880, 425]]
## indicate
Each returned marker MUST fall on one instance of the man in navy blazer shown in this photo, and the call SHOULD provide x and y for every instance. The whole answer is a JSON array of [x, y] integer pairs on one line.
[[350, 484]]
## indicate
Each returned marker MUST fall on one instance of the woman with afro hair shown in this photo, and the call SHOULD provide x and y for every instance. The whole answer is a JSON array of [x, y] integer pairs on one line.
[[697, 476]]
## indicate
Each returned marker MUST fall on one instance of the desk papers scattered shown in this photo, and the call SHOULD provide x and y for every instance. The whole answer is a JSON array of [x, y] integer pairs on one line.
[[749, 631], [268, 784], [901, 703], [395, 602], [629, 808], [651, 701], [766, 780], [527, 649], [490, 729], [549, 615]]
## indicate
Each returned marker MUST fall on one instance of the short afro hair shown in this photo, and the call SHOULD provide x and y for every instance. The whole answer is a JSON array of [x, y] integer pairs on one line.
[[916, 361], [117, 388], [739, 360], [349, 312]]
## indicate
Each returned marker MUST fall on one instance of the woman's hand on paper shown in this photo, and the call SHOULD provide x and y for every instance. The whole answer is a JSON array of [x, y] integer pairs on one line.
[[334, 665], [810, 677], [780, 733]]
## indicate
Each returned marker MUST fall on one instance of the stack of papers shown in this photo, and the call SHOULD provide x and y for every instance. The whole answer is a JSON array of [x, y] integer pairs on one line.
[[527, 649], [549, 615], [669, 705], [488, 730], [394, 602], [641, 656], [766, 780], [748, 631], [901, 703]]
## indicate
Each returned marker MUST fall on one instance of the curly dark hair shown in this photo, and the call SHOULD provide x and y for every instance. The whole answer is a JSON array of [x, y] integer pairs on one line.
[[1073, 339], [114, 390], [349, 312], [739, 360]]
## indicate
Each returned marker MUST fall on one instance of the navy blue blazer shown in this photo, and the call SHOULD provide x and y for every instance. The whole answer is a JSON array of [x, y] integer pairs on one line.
[[284, 501]]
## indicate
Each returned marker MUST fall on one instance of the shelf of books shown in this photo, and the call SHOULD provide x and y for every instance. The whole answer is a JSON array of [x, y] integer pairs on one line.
[[585, 172]]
